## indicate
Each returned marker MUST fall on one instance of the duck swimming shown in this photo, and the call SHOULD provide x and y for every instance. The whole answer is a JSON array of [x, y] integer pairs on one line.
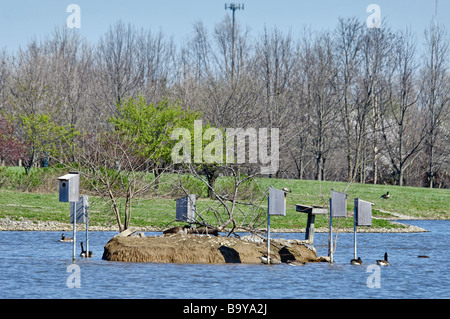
[[65, 239], [383, 262], [356, 261], [84, 253]]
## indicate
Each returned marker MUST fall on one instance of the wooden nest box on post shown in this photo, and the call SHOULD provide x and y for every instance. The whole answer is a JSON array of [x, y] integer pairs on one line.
[[312, 211]]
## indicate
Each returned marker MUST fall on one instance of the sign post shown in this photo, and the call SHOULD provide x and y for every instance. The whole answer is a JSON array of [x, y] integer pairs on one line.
[[276, 205], [69, 188], [338, 208], [362, 216]]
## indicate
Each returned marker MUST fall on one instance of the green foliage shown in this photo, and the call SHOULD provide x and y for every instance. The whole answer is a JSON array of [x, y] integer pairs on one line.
[[43, 137], [150, 125]]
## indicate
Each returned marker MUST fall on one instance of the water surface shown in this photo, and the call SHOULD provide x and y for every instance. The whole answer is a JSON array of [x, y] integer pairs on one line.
[[35, 265]]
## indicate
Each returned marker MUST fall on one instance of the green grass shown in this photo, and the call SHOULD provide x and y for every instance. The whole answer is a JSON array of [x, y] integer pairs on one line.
[[160, 211]]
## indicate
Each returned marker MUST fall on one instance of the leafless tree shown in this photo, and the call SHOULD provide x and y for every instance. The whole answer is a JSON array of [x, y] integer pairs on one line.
[[403, 131], [112, 171], [435, 96]]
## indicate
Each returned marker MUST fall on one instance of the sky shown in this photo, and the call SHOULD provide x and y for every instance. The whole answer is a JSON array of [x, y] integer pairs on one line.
[[22, 20]]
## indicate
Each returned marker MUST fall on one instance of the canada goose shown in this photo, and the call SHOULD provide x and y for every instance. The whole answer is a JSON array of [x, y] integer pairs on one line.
[[177, 230], [385, 196], [66, 239], [356, 261], [83, 252], [383, 262], [273, 260]]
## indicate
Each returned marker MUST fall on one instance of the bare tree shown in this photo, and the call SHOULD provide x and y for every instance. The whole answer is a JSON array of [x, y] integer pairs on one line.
[[109, 165], [403, 131], [237, 207], [320, 98], [120, 64], [353, 114], [435, 96]]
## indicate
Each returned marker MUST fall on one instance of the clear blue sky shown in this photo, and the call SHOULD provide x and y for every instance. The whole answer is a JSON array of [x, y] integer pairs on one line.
[[21, 20]]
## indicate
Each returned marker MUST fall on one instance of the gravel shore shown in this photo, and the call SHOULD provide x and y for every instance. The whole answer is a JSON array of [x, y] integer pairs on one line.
[[7, 224]]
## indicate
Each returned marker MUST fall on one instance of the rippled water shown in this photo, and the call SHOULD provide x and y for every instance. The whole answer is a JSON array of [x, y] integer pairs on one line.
[[35, 265]]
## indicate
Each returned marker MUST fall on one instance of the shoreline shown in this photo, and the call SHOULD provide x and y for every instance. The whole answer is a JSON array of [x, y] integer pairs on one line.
[[7, 224]]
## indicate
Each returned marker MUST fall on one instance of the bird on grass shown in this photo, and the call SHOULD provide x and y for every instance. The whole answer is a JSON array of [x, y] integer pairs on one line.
[[65, 239], [385, 196], [84, 253], [356, 261], [383, 262]]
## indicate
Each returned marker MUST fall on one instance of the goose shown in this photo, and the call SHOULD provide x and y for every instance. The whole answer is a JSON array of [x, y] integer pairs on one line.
[[83, 252], [176, 230], [385, 196], [273, 259], [356, 261], [65, 239], [383, 262]]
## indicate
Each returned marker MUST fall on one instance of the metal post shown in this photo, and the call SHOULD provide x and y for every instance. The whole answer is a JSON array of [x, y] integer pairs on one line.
[[86, 215], [354, 229], [74, 229], [268, 231], [330, 238]]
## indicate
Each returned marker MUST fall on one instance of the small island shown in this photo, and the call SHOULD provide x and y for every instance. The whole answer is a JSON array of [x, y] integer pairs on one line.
[[207, 249]]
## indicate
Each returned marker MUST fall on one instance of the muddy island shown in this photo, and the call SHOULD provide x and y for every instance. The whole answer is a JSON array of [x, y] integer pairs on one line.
[[207, 249]]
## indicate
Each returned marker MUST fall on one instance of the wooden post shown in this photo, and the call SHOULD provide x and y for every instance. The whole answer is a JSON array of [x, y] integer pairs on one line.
[[310, 228]]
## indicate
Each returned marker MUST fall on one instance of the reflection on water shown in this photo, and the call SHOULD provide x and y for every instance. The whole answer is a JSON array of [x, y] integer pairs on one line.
[[35, 265]]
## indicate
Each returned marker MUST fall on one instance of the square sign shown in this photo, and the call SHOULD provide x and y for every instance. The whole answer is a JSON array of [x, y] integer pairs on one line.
[[363, 212], [82, 210], [277, 202], [185, 209], [338, 204]]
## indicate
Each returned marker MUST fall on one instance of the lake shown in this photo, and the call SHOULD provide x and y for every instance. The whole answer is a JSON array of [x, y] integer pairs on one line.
[[37, 265]]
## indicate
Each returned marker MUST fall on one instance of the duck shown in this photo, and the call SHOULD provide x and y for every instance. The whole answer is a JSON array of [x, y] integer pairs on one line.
[[385, 196], [84, 253], [177, 230], [273, 260], [356, 261], [65, 239], [383, 262]]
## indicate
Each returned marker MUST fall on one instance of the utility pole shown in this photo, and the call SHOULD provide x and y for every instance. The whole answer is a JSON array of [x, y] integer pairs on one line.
[[435, 12], [233, 7]]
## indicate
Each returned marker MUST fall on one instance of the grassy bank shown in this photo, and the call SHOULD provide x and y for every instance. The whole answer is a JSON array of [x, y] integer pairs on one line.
[[158, 210]]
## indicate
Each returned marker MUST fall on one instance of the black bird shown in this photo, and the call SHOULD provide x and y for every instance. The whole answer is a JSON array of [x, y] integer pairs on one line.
[[84, 253], [383, 262], [385, 196], [356, 261]]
